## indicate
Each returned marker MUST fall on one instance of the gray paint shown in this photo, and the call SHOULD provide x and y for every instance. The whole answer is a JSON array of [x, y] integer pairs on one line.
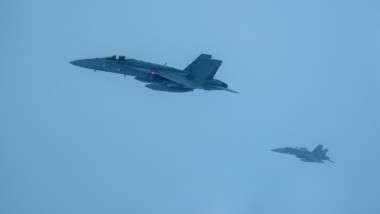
[[74, 141], [198, 75], [318, 155]]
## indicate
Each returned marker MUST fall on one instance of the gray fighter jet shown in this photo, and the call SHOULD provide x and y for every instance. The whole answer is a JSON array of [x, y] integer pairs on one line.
[[318, 155], [198, 75]]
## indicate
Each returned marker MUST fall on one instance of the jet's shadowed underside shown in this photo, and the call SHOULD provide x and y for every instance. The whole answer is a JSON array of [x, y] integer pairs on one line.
[[198, 75]]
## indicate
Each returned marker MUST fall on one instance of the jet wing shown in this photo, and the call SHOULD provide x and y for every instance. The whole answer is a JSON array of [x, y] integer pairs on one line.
[[177, 77], [310, 160], [203, 68]]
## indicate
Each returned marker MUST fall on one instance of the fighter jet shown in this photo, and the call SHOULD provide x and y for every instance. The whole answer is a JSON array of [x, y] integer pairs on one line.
[[318, 155], [198, 75]]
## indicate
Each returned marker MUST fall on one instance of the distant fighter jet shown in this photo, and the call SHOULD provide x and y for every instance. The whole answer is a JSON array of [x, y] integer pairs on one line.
[[317, 155], [198, 75]]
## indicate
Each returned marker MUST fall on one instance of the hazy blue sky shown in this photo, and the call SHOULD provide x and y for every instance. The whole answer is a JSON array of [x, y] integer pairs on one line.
[[75, 141]]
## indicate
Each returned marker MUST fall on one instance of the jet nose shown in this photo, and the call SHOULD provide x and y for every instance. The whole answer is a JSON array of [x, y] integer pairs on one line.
[[80, 63], [276, 150], [75, 62]]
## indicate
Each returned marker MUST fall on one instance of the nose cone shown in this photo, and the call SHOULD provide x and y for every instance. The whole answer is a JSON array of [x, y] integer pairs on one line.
[[278, 150], [81, 63]]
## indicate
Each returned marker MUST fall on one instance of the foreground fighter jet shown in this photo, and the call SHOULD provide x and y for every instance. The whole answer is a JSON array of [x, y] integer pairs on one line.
[[317, 155], [198, 75]]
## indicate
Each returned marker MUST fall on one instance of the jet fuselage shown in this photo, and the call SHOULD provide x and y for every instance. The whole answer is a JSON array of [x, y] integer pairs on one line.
[[161, 77], [317, 155]]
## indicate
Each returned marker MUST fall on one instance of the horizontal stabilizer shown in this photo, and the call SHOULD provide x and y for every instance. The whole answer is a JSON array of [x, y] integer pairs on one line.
[[226, 89]]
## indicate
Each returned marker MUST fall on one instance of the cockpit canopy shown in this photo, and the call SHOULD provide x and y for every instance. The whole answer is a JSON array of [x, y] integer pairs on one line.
[[302, 148], [113, 57]]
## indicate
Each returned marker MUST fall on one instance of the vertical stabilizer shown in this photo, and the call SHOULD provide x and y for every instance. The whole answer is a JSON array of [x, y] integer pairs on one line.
[[318, 150], [203, 68]]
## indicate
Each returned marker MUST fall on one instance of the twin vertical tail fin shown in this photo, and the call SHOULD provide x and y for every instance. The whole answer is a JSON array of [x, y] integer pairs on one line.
[[318, 151], [203, 68]]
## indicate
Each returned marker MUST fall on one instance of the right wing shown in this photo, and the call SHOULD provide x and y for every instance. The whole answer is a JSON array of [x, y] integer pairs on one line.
[[203, 68]]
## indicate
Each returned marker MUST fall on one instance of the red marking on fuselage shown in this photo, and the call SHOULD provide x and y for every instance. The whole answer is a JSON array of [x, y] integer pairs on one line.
[[152, 72]]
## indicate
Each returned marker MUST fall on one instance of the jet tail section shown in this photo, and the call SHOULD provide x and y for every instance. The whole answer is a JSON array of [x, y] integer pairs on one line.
[[203, 68], [318, 150], [227, 89]]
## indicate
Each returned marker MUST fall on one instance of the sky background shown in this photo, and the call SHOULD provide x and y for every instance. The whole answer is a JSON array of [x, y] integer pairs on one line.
[[75, 141]]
